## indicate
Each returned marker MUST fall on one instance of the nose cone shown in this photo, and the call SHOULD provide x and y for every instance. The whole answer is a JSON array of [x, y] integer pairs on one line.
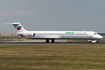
[[97, 37], [100, 37]]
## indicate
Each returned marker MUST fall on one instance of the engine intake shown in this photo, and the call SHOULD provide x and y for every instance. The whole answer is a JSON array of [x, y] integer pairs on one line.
[[33, 34]]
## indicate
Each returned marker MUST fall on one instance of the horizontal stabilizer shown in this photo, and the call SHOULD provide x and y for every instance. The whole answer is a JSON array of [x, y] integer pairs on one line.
[[15, 23]]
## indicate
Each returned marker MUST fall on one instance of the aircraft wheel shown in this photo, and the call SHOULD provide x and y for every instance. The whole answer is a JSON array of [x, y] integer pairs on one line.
[[97, 41], [52, 41], [47, 41]]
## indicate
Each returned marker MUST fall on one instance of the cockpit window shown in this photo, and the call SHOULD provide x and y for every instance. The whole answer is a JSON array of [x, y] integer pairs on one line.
[[95, 34]]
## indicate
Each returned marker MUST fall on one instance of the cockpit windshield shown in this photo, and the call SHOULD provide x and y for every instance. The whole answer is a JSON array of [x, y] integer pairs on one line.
[[95, 34]]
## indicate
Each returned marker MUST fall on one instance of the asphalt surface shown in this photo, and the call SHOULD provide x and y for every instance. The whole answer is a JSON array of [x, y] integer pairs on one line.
[[44, 43]]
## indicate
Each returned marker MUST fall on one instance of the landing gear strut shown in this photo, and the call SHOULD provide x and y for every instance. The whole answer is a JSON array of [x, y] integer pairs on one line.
[[47, 41]]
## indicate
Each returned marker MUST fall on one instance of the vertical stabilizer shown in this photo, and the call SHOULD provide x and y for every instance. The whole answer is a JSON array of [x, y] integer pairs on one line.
[[18, 26]]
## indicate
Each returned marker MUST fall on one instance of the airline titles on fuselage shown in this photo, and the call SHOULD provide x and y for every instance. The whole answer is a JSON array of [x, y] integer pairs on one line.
[[77, 33]]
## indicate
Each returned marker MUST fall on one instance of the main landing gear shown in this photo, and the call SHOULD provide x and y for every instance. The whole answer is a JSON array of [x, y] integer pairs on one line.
[[47, 41], [52, 40]]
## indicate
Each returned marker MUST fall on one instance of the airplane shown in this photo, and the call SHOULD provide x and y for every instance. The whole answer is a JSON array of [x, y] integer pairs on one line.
[[53, 35]]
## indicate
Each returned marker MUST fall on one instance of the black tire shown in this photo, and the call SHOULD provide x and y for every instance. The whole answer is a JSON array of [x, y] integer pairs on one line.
[[47, 41], [97, 41], [52, 40]]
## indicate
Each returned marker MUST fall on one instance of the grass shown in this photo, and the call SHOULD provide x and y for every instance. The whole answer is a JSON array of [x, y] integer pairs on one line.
[[52, 57]]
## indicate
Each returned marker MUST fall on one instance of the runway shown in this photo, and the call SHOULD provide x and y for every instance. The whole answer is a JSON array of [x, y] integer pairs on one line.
[[43, 43]]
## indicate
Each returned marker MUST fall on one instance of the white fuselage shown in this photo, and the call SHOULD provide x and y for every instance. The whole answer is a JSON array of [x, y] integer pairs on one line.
[[77, 35]]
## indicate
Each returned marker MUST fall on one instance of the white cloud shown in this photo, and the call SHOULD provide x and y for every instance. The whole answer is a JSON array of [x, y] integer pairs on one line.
[[3, 13], [25, 13], [6, 3], [22, 13]]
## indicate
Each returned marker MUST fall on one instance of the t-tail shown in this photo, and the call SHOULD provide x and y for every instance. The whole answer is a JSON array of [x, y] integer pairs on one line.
[[18, 26]]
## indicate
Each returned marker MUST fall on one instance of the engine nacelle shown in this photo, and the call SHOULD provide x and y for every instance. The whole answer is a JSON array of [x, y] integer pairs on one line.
[[29, 35]]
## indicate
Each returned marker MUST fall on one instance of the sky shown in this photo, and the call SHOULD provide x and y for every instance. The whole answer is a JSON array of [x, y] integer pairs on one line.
[[53, 15]]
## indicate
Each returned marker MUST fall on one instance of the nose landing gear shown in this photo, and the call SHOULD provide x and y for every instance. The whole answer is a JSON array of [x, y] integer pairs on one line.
[[95, 41]]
